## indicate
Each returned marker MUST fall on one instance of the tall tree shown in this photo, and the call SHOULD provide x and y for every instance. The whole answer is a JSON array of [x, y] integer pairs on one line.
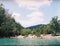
[[8, 26], [54, 24]]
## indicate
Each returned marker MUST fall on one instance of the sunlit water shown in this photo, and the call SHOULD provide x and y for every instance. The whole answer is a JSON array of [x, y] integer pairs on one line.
[[29, 41]]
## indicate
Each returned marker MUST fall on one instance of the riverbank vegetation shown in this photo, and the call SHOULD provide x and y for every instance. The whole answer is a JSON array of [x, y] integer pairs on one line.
[[9, 27]]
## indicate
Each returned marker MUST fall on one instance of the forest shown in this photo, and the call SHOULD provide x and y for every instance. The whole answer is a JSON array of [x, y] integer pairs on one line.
[[10, 28]]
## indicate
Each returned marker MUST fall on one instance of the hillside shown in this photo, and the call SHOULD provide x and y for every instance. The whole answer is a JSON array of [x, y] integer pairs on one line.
[[35, 26]]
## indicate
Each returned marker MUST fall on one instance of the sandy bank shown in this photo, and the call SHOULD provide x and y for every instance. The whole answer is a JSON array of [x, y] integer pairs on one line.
[[49, 36]]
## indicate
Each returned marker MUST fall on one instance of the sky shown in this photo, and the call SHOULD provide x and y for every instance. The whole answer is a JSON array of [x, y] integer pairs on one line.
[[32, 12]]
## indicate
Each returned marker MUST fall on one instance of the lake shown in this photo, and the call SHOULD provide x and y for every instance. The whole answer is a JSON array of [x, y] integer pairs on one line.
[[29, 42]]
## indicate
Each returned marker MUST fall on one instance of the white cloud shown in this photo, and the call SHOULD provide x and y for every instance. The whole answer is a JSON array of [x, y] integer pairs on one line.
[[33, 4], [32, 18], [17, 17], [36, 16]]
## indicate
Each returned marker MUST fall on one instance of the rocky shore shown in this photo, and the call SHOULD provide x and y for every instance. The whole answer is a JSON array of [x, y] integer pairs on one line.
[[49, 36]]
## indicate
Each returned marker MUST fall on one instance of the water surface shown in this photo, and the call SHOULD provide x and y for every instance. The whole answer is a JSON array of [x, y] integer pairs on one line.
[[29, 41]]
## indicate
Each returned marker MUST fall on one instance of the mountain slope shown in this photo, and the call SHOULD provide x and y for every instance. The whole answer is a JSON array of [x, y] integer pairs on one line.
[[36, 26]]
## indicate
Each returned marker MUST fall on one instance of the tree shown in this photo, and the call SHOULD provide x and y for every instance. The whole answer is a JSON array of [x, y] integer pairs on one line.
[[2, 14], [54, 25], [8, 26], [25, 32]]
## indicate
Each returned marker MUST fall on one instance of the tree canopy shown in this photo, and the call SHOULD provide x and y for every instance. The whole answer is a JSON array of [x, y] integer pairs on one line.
[[9, 27]]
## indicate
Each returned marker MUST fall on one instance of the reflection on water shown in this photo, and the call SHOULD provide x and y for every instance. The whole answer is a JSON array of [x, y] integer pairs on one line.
[[29, 42]]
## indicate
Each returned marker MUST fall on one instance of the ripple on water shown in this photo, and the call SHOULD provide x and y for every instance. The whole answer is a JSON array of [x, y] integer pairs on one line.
[[29, 41]]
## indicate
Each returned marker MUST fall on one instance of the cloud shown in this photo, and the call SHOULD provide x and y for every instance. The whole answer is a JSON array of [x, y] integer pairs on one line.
[[33, 4], [17, 17], [32, 18], [36, 16]]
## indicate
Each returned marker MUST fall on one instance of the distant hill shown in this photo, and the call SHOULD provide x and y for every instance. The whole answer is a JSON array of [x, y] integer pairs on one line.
[[35, 26]]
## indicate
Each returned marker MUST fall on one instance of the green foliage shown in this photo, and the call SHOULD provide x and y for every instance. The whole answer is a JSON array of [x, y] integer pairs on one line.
[[25, 32], [55, 25], [2, 14], [52, 28], [8, 26]]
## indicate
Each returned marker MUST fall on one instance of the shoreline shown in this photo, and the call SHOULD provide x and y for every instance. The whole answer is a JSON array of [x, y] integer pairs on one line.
[[49, 36], [42, 36]]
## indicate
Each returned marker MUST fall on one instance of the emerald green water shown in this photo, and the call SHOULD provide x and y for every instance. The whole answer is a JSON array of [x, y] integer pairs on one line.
[[29, 41]]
